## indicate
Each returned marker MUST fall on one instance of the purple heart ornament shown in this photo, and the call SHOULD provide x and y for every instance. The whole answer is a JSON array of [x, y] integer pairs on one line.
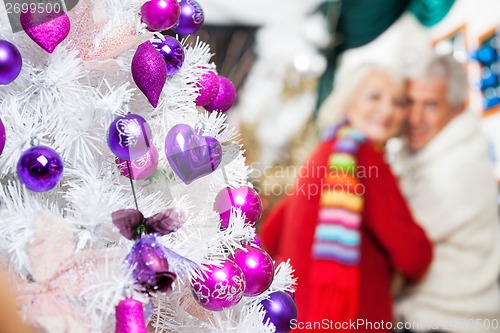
[[47, 29], [190, 154]]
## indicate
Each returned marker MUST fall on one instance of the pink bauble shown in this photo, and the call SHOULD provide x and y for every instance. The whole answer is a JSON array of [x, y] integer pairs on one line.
[[221, 288], [208, 88], [258, 268], [225, 97], [141, 168], [244, 198], [160, 15]]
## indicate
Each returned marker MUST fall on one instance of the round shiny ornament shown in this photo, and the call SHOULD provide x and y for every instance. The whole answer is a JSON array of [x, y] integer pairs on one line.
[[258, 268], [130, 317], [486, 55], [160, 15], [40, 168], [281, 310], [244, 198], [208, 88], [221, 288], [47, 29], [171, 51], [129, 137], [225, 97], [140, 168], [149, 72], [11, 62], [191, 18], [3, 137]]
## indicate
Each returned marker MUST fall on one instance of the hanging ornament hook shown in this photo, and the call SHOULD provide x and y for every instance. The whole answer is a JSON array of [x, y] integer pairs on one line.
[[34, 141]]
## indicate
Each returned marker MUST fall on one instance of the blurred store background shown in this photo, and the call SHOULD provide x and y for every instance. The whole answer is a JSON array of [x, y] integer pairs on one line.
[[284, 57]]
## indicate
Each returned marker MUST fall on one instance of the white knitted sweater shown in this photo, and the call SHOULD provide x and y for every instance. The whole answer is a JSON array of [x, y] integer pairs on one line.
[[452, 192]]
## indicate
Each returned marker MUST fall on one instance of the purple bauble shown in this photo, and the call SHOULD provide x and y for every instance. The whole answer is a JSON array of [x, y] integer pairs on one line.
[[221, 288], [225, 97], [149, 260], [244, 198], [129, 137], [160, 15], [3, 137], [208, 88], [40, 168], [10, 62], [281, 310], [140, 168], [191, 18], [258, 268], [172, 52]]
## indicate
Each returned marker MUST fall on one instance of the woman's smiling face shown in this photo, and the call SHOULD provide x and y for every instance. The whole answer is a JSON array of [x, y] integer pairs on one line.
[[379, 107]]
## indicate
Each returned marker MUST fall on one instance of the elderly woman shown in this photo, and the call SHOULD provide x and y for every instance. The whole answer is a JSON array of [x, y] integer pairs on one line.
[[346, 228]]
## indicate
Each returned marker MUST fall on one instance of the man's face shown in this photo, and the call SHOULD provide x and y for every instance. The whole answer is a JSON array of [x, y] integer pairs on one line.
[[430, 110]]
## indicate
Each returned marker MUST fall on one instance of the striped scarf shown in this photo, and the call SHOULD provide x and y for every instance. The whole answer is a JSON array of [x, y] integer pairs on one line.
[[336, 248]]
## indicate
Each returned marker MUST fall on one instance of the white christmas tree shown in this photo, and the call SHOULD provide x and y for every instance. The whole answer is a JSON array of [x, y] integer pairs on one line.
[[63, 242]]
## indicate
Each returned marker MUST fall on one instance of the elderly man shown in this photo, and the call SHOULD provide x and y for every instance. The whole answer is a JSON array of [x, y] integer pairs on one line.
[[448, 181]]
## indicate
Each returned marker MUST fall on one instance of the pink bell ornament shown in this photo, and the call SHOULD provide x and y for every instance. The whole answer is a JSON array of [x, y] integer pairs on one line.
[[130, 317]]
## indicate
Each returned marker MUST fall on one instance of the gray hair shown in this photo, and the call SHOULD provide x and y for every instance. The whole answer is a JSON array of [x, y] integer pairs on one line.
[[446, 67], [333, 109]]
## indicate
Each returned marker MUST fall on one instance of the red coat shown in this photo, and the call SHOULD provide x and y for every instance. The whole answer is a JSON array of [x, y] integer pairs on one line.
[[390, 238]]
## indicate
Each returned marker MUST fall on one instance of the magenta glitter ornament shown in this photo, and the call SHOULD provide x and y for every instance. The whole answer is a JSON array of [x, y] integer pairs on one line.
[[129, 137], [149, 72], [225, 97], [40, 168], [208, 88], [160, 14], [47, 29], [191, 18], [244, 198], [11, 62], [141, 168], [221, 288], [130, 317], [258, 268], [171, 51], [3, 137]]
